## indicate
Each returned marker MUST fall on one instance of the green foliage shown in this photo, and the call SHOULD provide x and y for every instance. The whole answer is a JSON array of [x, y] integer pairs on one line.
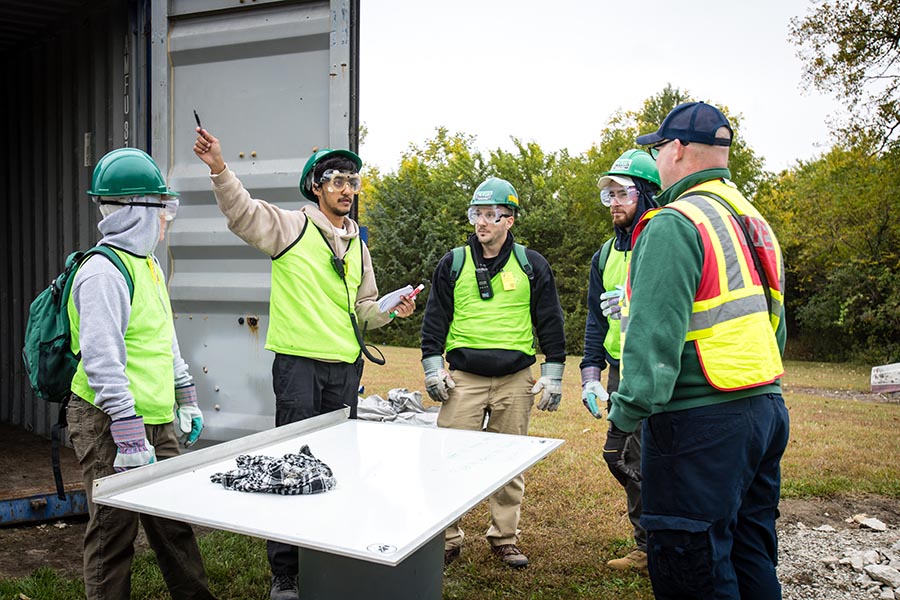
[[837, 219], [850, 48]]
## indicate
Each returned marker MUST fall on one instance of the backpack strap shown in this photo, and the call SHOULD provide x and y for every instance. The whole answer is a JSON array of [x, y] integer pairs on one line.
[[114, 259], [604, 252], [459, 255], [519, 251]]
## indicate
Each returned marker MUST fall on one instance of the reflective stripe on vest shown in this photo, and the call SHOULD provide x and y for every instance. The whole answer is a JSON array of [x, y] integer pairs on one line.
[[148, 343], [614, 272], [730, 323], [308, 311], [501, 322]]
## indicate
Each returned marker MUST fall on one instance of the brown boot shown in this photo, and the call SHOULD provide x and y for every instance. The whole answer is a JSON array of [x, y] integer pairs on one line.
[[511, 555], [636, 559]]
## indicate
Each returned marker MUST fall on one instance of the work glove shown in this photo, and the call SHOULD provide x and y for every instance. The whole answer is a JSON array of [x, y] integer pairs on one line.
[[132, 448], [188, 415], [437, 379], [614, 455], [592, 394], [550, 384], [610, 303]]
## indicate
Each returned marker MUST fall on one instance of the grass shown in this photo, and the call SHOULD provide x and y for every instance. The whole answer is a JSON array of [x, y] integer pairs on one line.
[[573, 517]]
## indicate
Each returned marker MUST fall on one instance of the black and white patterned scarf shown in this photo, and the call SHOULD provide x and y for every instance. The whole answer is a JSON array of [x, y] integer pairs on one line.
[[300, 473]]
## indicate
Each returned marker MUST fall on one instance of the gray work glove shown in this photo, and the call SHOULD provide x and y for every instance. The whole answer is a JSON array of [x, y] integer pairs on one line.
[[614, 455], [188, 415], [610, 303], [550, 384], [592, 394], [132, 448], [437, 379]]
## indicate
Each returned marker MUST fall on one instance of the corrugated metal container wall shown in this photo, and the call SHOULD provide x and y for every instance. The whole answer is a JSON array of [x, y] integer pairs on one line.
[[69, 98]]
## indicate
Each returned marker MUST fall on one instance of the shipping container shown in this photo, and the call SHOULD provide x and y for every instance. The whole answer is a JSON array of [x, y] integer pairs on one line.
[[272, 79]]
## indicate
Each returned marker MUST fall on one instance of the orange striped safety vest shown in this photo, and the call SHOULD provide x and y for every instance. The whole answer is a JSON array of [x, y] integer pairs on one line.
[[731, 325]]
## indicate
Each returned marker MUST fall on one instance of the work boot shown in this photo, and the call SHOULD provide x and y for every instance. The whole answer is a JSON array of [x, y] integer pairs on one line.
[[636, 559], [511, 555], [451, 555], [284, 587]]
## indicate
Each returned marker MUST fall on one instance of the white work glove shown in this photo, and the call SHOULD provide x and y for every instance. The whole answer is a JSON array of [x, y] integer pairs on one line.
[[550, 384], [188, 415], [132, 448], [592, 394], [610, 303], [437, 379]]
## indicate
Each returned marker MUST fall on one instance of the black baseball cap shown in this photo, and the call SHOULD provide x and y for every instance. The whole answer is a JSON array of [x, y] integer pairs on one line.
[[691, 122]]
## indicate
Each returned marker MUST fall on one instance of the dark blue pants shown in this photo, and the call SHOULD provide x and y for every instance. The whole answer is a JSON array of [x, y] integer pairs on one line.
[[711, 484], [305, 388]]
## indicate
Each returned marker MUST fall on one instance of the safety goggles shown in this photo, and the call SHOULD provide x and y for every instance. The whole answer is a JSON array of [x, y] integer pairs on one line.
[[168, 205], [490, 214], [339, 180], [622, 196]]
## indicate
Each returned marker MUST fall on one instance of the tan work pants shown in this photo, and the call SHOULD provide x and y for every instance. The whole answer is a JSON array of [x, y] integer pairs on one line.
[[507, 401], [110, 534]]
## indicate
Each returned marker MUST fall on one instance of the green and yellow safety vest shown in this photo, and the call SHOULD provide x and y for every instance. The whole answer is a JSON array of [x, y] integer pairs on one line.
[[148, 343]]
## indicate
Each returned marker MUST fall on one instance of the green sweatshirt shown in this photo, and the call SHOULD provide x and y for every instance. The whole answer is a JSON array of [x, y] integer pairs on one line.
[[661, 371]]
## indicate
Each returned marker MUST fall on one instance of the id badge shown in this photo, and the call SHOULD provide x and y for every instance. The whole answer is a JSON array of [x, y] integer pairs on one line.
[[508, 280]]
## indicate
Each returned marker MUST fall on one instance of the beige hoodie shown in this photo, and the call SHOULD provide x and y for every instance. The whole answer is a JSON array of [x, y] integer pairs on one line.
[[272, 230]]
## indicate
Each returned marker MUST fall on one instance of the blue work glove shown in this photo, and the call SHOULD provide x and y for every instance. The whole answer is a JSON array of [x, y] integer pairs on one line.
[[188, 415], [592, 394], [550, 384], [133, 449], [614, 455], [610, 303], [437, 380]]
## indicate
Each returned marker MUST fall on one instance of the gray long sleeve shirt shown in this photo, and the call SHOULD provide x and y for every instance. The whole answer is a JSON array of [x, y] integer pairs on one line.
[[100, 294]]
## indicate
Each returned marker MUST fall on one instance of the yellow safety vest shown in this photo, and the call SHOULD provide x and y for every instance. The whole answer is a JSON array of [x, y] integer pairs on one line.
[[309, 306]]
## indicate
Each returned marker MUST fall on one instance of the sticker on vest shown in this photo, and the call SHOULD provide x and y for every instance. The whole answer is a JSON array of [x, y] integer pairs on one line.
[[509, 281]]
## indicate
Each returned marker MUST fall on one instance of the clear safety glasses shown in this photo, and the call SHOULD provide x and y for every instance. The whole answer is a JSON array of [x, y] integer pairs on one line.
[[339, 180], [622, 196], [168, 205], [169, 208], [491, 214]]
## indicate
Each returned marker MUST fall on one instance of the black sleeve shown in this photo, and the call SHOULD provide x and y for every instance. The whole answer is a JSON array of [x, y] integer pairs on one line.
[[597, 325], [438, 309], [546, 311]]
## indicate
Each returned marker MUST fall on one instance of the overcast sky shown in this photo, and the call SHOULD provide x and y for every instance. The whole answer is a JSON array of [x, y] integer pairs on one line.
[[554, 72]]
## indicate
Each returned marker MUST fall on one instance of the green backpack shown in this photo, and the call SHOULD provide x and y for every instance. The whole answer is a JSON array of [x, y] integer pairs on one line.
[[50, 363]]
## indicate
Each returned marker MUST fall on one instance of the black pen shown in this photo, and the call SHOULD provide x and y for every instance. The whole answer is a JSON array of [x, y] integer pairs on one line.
[[197, 118]]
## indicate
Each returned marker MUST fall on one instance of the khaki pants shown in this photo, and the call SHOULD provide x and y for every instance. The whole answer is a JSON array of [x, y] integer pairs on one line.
[[109, 538], [508, 401]]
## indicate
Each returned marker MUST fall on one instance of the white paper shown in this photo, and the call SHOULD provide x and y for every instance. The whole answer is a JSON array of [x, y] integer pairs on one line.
[[389, 301]]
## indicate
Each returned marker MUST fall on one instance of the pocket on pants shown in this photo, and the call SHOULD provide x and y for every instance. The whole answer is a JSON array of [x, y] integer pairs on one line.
[[681, 562]]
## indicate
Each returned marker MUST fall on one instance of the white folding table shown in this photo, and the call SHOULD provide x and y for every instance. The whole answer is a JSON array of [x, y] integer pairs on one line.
[[378, 534]]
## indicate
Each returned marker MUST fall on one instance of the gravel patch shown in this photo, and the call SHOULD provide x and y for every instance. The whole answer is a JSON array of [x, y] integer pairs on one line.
[[832, 563]]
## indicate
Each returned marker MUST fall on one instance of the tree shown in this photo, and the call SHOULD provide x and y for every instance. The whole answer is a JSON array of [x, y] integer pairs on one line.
[[852, 48], [838, 220]]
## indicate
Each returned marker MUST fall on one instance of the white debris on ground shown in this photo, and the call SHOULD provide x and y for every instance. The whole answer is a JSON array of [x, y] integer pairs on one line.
[[823, 563]]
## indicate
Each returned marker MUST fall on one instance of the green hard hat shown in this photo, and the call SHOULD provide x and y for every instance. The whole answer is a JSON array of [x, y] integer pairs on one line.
[[633, 163], [494, 190], [128, 172], [306, 177]]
